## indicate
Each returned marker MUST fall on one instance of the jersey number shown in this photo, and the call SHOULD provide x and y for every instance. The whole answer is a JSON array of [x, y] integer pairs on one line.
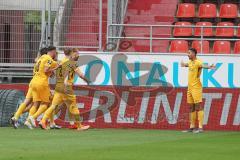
[[60, 72], [37, 66], [71, 75]]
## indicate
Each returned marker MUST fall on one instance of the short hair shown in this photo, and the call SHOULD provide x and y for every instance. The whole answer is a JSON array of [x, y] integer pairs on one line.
[[43, 51], [67, 51], [51, 48], [193, 50], [75, 49]]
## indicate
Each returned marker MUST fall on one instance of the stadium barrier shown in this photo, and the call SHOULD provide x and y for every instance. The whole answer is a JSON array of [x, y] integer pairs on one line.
[[149, 108]]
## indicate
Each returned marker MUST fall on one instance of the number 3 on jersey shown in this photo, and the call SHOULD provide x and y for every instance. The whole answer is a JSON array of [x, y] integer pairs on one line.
[[59, 72], [36, 69]]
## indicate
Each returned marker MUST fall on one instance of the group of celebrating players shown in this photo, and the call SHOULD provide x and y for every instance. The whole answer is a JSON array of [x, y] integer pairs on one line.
[[39, 100]]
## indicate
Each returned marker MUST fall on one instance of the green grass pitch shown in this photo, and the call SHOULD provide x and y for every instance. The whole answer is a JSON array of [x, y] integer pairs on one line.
[[117, 144]]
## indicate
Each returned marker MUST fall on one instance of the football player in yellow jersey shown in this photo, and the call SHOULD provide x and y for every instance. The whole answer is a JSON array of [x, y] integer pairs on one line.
[[64, 88], [194, 92], [45, 65], [27, 103]]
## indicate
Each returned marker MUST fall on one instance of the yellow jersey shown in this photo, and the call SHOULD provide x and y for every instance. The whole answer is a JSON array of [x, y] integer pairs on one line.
[[40, 77], [194, 72], [67, 69], [34, 69]]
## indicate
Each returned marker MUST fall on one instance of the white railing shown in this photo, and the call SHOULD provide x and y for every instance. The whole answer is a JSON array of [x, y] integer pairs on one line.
[[151, 36], [116, 14]]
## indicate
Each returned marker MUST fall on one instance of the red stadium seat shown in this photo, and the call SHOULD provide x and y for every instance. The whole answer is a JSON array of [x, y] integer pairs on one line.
[[206, 31], [238, 30], [237, 47], [228, 11], [178, 46], [222, 47], [197, 46], [186, 10], [207, 10], [182, 31], [225, 32]]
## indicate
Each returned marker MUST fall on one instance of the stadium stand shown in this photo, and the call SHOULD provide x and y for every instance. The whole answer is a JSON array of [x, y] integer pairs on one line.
[[151, 12], [208, 13], [192, 13], [83, 24]]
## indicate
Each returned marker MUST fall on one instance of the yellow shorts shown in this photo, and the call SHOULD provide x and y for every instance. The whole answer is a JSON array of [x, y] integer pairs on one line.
[[29, 93], [71, 103], [40, 93], [68, 99], [59, 98], [194, 96]]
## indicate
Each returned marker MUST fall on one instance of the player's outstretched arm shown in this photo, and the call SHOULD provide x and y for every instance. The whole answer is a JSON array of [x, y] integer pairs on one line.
[[48, 69], [80, 74], [205, 66], [184, 64]]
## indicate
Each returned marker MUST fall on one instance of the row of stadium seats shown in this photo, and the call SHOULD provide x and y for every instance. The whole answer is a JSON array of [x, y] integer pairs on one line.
[[147, 15], [207, 10], [219, 47], [219, 32]]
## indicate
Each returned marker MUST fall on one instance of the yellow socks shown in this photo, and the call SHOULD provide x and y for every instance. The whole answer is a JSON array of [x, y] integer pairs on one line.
[[75, 112], [71, 116], [48, 114], [32, 111], [41, 109], [20, 111], [193, 116], [77, 121], [79, 125], [51, 118], [200, 118]]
